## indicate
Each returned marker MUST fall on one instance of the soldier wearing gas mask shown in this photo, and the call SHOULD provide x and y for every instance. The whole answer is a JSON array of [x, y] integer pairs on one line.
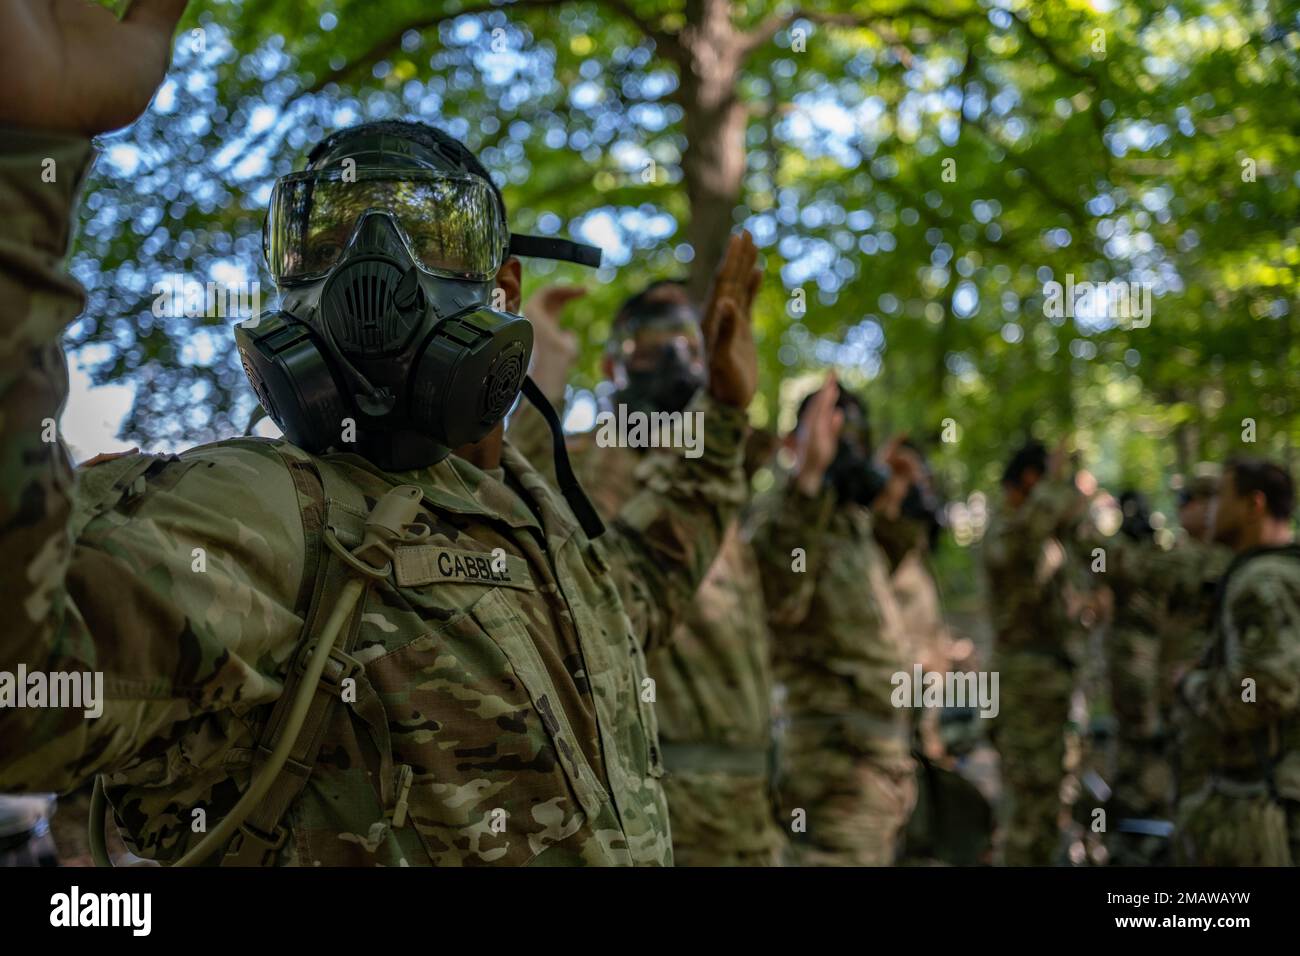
[[386, 639], [847, 779], [713, 682], [1028, 557]]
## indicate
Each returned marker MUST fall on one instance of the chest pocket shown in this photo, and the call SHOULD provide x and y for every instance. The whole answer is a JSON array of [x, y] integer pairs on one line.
[[498, 775]]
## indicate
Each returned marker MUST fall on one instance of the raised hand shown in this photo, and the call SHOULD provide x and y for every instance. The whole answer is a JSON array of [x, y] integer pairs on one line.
[[555, 348], [71, 66], [728, 324], [818, 436], [905, 469]]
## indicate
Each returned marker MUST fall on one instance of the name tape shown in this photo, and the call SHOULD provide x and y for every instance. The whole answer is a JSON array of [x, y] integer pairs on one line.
[[421, 564]]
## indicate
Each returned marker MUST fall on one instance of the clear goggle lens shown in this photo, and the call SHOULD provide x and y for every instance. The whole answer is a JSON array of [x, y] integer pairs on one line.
[[452, 225]]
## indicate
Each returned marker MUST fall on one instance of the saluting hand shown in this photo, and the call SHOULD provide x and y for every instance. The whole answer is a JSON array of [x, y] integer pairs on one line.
[[555, 348], [818, 436], [72, 66], [905, 469], [728, 324]]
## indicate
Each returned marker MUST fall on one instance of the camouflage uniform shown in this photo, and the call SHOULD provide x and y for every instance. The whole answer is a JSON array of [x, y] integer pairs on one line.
[[903, 541], [713, 682], [1160, 629], [846, 772], [1189, 574], [1247, 813], [1029, 576], [920, 608], [497, 716], [1143, 780]]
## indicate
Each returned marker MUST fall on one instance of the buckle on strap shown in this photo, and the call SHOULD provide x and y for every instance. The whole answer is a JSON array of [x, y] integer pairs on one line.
[[339, 666], [251, 847]]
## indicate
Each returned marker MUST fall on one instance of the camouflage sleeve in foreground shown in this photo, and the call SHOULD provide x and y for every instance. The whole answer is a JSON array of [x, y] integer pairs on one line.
[[785, 524], [1257, 639], [666, 536], [173, 656]]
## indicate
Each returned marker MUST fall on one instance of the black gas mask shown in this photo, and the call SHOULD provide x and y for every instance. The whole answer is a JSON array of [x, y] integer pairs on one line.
[[661, 360], [853, 473], [387, 340], [1136, 522], [925, 510], [855, 476]]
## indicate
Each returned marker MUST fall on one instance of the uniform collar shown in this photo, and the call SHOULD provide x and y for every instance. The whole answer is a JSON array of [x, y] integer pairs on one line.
[[457, 486], [558, 520]]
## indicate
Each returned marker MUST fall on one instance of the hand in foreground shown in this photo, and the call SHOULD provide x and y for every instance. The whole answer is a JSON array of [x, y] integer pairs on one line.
[[71, 66]]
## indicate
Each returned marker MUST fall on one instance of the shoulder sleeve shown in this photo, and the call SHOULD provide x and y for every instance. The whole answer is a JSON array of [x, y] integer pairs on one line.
[[787, 529], [177, 595], [1017, 535], [146, 598], [666, 535]]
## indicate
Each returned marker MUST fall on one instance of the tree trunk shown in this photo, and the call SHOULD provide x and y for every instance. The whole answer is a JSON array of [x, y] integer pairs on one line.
[[714, 121]]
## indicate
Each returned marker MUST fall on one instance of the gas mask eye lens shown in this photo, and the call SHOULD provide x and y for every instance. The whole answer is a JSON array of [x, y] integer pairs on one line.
[[452, 225]]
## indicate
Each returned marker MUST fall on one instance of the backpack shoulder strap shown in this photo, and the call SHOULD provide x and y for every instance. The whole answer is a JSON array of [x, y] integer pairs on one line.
[[326, 500]]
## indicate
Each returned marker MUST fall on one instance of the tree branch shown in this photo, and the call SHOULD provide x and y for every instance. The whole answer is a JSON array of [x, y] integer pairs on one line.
[[663, 38], [1060, 62], [770, 27], [391, 41]]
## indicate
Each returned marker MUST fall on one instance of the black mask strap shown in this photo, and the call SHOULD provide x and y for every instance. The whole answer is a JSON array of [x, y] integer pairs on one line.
[[540, 247], [573, 493]]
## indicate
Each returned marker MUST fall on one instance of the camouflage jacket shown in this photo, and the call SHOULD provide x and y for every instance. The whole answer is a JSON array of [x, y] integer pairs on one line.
[[916, 590], [1189, 574], [1027, 563], [1243, 700], [504, 717], [1168, 594], [837, 632], [714, 679], [1135, 584]]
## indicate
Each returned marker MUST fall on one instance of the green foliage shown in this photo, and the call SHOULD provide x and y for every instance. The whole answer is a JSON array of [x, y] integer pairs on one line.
[[1113, 145]]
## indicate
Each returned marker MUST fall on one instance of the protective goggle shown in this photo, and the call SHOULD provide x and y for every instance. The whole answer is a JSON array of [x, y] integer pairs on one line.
[[653, 326], [452, 225], [646, 346]]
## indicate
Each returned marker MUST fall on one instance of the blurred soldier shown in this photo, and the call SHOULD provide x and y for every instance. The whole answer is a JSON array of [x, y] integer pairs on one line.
[[1142, 778], [847, 781], [1159, 628], [386, 639], [908, 542], [1191, 572], [1026, 561], [952, 821], [1243, 698], [712, 687]]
